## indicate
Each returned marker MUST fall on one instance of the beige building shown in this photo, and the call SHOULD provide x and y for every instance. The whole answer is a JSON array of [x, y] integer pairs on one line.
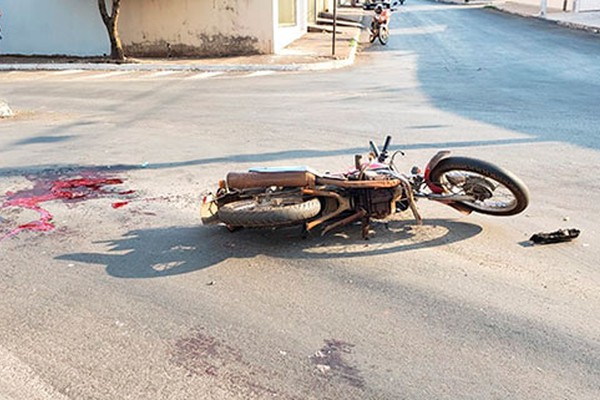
[[212, 28], [155, 27], [316, 6]]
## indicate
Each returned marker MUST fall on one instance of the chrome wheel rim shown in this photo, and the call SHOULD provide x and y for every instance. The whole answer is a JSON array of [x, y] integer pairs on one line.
[[488, 194]]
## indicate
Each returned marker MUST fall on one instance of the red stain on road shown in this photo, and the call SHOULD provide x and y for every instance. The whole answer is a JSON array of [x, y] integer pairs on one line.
[[119, 204], [67, 190]]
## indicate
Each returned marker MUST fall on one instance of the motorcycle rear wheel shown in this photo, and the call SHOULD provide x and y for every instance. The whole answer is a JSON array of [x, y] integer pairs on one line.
[[496, 191], [251, 214]]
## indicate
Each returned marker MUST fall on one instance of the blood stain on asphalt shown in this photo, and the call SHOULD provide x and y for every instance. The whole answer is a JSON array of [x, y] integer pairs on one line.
[[331, 361], [119, 204], [69, 190]]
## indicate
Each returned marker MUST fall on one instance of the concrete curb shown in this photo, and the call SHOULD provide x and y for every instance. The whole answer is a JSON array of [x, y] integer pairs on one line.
[[574, 25], [493, 5], [549, 19], [490, 4], [317, 66]]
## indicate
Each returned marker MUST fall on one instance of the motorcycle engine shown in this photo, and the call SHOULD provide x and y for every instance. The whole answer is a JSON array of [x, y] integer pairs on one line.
[[376, 202]]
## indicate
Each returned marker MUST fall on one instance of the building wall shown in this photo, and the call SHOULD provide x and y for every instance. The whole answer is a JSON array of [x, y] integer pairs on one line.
[[317, 6], [196, 27], [587, 5], [284, 35], [52, 27], [148, 27], [552, 5]]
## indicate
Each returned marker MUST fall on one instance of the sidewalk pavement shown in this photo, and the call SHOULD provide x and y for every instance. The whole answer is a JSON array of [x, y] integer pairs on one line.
[[588, 21], [312, 52]]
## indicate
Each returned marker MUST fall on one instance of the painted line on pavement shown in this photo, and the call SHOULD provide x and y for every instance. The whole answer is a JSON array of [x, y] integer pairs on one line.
[[68, 72], [162, 73], [259, 73], [100, 76], [204, 75]]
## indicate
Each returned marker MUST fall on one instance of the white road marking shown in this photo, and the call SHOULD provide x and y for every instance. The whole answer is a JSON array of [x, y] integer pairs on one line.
[[68, 72], [25, 75], [258, 73], [204, 75], [162, 73], [86, 75], [110, 74]]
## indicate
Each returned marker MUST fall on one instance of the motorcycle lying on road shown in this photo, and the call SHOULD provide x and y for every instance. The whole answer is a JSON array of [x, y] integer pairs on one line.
[[380, 25], [375, 189]]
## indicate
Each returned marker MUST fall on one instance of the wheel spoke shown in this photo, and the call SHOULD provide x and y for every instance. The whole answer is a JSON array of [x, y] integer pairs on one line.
[[488, 194]]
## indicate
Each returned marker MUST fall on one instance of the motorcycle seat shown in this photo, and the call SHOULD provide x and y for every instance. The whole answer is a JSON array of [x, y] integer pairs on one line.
[[299, 168], [265, 177]]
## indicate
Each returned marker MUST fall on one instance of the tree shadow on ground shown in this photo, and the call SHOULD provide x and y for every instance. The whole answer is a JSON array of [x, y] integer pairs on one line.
[[159, 252], [248, 158]]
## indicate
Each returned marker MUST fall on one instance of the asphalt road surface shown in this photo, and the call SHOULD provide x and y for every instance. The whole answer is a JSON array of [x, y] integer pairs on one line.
[[111, 289]]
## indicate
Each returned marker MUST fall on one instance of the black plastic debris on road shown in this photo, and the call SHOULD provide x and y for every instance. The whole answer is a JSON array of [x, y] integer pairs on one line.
[[559, 236]]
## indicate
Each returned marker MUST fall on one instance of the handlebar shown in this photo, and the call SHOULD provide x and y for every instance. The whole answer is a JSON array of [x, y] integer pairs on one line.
[[388, 139], [375, 149], [382, 155]]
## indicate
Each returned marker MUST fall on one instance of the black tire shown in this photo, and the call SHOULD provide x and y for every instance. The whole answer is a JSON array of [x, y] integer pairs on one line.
[[514, 188], [372, 37], [384, 34], [373, 32], [249, 214]]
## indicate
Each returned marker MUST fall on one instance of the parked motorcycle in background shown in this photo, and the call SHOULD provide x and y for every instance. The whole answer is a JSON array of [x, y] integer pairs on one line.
[[371, 4], [380, 25], [275, 197]]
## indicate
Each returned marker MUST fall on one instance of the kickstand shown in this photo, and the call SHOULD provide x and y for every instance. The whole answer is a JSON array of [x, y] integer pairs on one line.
[[305, 232], [232, 228]]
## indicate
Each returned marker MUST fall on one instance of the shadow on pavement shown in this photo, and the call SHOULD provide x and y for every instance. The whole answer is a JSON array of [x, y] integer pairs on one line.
[[152, 253], [253, 158]]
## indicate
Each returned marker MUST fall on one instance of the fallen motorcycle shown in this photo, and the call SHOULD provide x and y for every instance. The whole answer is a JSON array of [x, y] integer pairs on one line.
[[375, 189]]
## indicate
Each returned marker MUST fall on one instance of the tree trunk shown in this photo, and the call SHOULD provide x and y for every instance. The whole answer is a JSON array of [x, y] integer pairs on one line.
[[111, 21]]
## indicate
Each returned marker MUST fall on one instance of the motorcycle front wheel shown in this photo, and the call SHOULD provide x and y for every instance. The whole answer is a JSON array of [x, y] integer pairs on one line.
[[384, 34], [253, 214], [495, 191], [373, 35]]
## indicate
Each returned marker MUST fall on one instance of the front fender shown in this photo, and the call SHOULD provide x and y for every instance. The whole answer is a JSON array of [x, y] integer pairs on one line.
[[440, 155]]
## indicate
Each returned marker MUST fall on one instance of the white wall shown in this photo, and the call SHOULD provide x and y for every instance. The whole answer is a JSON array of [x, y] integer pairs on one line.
[[572, 5], [285, 35], [147, 27], [587, 5], [52, 27], [552, 5]]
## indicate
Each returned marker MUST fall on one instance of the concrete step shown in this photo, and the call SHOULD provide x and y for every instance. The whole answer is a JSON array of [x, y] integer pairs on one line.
[[327, 21], [322, 28]]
